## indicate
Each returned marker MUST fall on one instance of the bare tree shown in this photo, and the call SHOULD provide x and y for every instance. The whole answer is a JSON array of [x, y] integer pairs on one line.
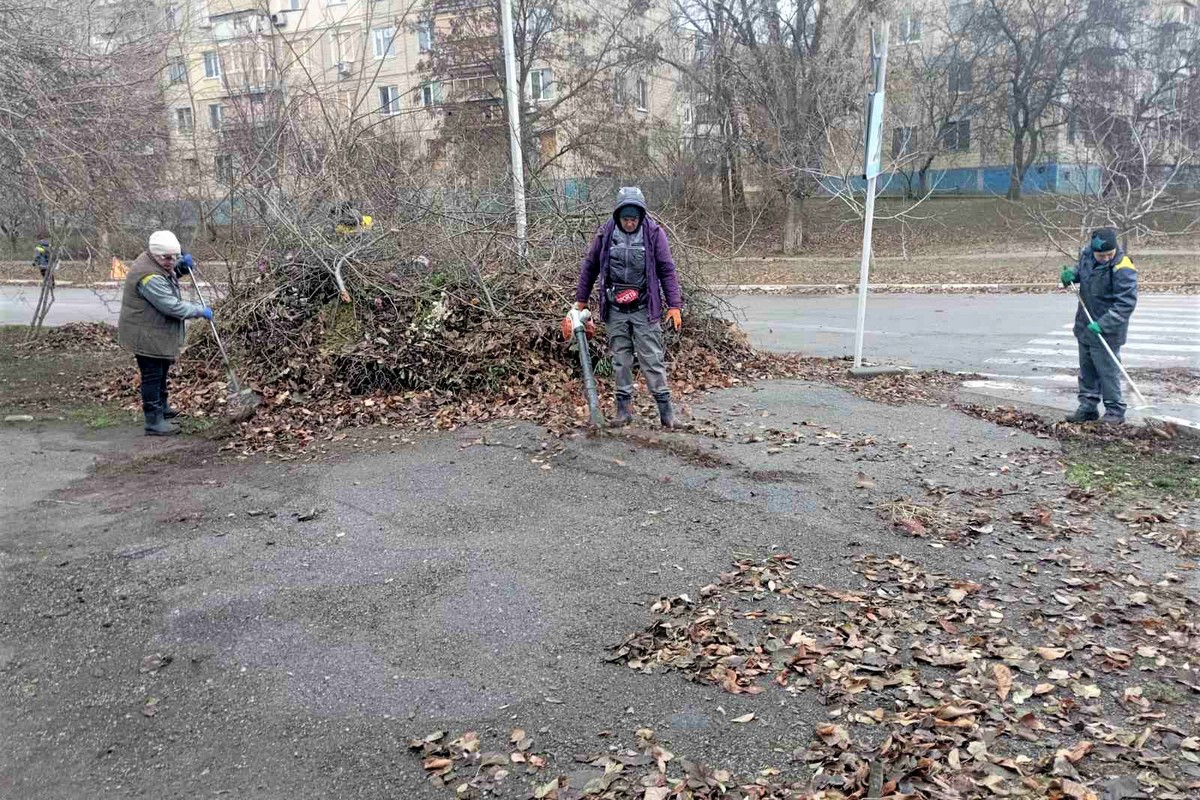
[[802, 74], [1040, 42], [941, 85], [1132, 134], [80, 120]]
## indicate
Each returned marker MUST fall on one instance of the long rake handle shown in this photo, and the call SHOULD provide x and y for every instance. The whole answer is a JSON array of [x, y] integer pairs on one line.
[[237, 385], [1141, 397]]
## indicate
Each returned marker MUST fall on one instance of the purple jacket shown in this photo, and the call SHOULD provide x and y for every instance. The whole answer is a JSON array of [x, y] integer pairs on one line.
[[660, 269]]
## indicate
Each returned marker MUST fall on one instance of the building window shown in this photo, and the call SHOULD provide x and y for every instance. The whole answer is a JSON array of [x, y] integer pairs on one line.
[[177, 70], [293, 5], [212, 64], [389, 100], [427, 95], [425, 36], [643, 94], [172, 16], [958, 14], [910, 28], [956, 136], [537, 21], [214, 116], [184, 122], [904, 142], [687, 113], [381, 39], [960, 77], [619, 94], [541, 85], [223, 167]]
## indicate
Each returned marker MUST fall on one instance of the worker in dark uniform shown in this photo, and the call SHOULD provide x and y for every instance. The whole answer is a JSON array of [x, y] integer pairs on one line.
[[151, 324], [1107, 283]]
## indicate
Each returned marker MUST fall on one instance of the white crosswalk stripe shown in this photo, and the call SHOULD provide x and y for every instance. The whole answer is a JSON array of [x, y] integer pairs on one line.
[[1164, 333]]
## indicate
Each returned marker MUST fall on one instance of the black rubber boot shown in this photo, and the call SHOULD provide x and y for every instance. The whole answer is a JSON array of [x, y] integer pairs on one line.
[[1079, 415], [666, 414], [156, 425], [168, 412], [624, 412], [1112, 418]]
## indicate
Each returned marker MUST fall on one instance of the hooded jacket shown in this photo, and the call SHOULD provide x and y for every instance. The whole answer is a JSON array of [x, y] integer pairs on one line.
[[1110, 292], [660, 266]]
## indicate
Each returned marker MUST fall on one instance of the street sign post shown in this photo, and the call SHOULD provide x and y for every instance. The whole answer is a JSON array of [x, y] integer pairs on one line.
[[872, 158]]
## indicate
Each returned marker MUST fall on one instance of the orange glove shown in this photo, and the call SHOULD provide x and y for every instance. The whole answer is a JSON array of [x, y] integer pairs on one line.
[[674, 318]]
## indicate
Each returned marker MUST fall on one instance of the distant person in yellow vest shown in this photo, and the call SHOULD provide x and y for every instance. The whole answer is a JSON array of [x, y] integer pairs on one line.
[[151, 324]]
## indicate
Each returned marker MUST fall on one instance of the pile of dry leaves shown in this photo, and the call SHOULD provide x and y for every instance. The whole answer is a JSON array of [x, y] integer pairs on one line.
[[645, 771], [946, 688], [74, 337]]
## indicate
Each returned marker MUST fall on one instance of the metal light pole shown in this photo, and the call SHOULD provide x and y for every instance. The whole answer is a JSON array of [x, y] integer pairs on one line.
[[871, 167], [514, 121]]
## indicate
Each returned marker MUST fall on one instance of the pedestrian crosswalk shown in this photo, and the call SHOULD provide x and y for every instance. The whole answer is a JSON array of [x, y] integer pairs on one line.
[[1164, 333]]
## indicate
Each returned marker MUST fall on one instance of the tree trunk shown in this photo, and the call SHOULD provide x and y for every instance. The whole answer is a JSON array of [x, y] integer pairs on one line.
[[1017, 174], [793, 225], [737, 186], [922, 182]]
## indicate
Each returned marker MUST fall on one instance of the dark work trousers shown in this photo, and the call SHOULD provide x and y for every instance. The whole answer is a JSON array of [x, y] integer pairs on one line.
[[1099, 376], [154, 382]]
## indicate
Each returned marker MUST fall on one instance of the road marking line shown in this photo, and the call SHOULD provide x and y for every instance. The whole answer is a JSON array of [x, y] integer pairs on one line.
[[1035, 351], [1138, 334], [1189, 348]]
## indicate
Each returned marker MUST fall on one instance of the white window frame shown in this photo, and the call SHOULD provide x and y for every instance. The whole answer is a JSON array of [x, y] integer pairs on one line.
[[426, 95], [642, 90], [212, 65], [541, 90], [216, 117], [295, 5], [909, 32], [177, 71], [383, 41], [185, 112], [425, 36], [958, 148], [389, 100]]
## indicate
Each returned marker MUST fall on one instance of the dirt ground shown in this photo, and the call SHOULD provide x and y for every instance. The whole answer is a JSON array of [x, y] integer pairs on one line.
[[175, 622]]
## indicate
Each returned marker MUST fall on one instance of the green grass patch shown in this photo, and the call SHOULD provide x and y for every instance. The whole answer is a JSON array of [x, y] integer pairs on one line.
[[1124, 470], [99, 417]]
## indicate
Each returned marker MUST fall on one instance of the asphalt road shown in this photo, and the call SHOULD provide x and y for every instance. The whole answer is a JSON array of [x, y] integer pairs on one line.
[[1021, 344], [70, 305]]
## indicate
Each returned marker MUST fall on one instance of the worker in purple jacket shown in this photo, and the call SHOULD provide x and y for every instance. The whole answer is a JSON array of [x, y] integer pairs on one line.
[[632, 259]]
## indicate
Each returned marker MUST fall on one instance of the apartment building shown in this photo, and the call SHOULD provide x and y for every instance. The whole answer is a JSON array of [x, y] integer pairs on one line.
[[429, 73]]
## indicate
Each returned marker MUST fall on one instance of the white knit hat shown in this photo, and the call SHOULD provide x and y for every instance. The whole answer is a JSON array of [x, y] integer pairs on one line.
[[164, 243]]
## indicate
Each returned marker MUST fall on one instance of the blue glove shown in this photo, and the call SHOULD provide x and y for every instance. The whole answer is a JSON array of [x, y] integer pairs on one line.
[[184, 264], [206, 312], [1094, 327]]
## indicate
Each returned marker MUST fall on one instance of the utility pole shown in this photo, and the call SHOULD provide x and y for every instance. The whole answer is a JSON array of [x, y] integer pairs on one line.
[[514, 122], [872, 159]]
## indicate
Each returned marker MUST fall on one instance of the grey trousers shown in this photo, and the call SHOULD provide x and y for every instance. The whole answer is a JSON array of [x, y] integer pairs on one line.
[[630, 332], [1099, 377]]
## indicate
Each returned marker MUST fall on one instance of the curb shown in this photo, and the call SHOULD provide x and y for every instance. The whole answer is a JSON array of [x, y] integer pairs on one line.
[[814, 288]]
